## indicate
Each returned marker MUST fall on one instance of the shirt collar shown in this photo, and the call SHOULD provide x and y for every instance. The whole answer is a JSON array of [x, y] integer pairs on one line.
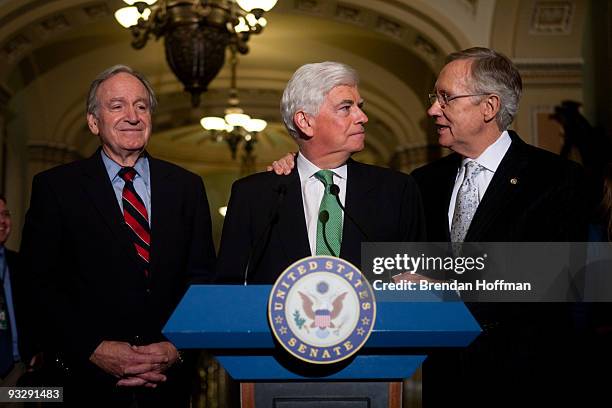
[[493, 154], [112, 168], [307, 169]]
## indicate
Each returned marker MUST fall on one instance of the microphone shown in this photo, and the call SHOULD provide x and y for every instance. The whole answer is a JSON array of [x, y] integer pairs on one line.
[[335, 191], [281, 190], [324, 217]]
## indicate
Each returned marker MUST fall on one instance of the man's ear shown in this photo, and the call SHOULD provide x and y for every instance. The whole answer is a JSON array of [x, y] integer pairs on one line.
[[490, 107], [304, 122], [92, 122]]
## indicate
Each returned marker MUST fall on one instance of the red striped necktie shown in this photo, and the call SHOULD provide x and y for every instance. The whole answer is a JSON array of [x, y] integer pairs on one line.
[[136, 218]]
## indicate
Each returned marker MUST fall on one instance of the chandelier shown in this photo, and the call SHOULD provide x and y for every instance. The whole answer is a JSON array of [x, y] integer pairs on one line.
[[235, 127], [196, 33]]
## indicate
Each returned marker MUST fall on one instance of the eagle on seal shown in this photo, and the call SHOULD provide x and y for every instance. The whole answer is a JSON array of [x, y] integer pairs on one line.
[[323, 315]]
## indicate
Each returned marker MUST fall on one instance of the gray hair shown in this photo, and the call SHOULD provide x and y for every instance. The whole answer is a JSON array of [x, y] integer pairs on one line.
[[493, 72], [308, 87], [92, 98]]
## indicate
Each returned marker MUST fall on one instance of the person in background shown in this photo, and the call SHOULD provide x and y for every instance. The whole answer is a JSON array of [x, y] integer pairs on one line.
[[598, 286], [607, 200], [601, 229], [13, 349]]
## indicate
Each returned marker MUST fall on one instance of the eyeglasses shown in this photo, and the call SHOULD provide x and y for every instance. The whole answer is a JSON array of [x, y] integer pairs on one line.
[[444, 99]]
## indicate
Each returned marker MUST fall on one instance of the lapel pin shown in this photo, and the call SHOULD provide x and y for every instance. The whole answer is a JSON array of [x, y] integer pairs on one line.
[[514, 181]]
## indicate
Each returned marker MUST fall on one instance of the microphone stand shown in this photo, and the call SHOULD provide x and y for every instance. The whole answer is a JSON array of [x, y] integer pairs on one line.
[[282, 190], [324, 217]]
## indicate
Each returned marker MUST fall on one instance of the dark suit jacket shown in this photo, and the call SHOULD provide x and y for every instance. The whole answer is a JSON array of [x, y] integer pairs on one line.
[[521, 343], [82, 267], [385, 204], [547, 202]]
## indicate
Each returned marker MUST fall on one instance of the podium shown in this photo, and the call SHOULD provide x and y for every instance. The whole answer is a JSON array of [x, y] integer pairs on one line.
[[231, 322]]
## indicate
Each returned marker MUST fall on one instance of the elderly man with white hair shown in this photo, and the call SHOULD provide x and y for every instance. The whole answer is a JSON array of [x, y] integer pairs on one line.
[[329, 203]]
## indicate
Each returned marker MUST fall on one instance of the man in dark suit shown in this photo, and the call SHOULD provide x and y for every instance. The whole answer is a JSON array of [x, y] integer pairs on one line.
[[495, 187], [109, 245], [531, 194], [274, 220]]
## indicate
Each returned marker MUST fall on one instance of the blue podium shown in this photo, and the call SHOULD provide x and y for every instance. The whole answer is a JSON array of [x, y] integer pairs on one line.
[[231, 322]]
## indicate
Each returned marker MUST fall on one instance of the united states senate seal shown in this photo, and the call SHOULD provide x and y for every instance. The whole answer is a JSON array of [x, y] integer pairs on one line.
[[322, 309]]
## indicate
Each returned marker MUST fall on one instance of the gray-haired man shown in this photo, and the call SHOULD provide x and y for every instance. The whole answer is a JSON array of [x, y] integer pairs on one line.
[[274, 220], [109, 246], [495, 187]]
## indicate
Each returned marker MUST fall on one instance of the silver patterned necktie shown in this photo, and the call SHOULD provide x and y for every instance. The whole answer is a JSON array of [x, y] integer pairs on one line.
[[466, 203]]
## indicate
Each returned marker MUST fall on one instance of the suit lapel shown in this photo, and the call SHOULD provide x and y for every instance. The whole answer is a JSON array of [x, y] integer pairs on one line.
[[447, 183], [501, 190], [161, 209], [291, 221], [97, 185], [357, 203]]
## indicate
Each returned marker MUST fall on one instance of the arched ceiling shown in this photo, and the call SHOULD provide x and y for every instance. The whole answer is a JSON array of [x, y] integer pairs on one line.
[[50, 50], [397, 46]]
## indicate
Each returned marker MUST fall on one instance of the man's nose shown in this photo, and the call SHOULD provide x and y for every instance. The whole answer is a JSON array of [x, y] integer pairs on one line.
[[435, 109], [131, 115], [361, 116]]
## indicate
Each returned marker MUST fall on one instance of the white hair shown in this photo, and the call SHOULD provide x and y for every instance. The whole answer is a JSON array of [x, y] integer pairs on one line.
[[308, 87]]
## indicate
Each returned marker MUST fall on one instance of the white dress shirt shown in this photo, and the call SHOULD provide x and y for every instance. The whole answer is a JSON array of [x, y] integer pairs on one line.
[[489, 159], [312, 193]]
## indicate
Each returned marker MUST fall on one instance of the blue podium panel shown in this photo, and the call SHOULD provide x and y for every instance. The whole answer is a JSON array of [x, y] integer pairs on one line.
[[221, 316], [235, 317], [232, 322], [423, 324], [363, 367]]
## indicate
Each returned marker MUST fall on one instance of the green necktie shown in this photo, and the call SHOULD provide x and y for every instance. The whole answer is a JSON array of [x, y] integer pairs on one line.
[[333, 226]]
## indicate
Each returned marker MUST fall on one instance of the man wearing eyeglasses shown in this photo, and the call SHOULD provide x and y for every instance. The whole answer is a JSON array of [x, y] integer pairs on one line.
[[523, 193], [495, 187]]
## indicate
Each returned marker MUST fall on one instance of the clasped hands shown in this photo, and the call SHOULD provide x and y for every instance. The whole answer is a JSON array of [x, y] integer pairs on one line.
[[135, 366]]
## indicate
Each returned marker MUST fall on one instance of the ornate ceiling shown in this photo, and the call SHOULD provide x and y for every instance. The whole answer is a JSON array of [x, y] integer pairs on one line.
[[52, 49]]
